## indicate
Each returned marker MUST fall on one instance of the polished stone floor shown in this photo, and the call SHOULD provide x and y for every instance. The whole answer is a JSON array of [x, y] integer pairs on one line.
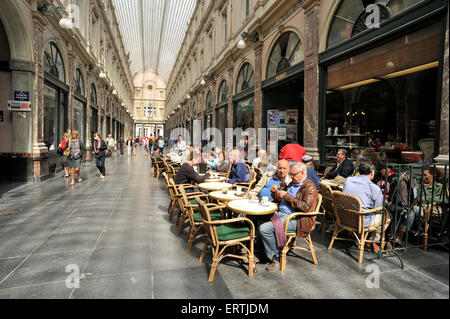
[[117, 234]]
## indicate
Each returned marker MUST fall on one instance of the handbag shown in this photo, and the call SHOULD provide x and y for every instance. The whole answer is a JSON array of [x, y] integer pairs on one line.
[[67, 151], [108, 153]]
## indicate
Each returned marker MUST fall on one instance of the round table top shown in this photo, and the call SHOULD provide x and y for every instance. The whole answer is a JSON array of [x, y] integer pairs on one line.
[[212, 180], [214, 186], [333, 183], [244, 206], [228, 197]]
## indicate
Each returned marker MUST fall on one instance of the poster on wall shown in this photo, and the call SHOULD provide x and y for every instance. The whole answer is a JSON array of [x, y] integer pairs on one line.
[[282, 134], [291, 133], [273, 135], [291, 117], [272, 118], [283, 118]]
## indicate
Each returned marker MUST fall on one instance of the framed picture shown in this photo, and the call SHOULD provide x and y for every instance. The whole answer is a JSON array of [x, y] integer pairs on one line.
[[273, 118], [283, 118], [291, 117]]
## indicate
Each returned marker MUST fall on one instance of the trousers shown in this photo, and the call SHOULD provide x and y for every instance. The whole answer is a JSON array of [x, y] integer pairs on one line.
[[100, 163], [267, 231]]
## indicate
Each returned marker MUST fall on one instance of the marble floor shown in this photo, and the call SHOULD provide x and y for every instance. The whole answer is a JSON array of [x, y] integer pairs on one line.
[[116, 235]]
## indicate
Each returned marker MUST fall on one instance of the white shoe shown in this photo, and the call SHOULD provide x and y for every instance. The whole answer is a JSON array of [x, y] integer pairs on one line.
[[102, 177]]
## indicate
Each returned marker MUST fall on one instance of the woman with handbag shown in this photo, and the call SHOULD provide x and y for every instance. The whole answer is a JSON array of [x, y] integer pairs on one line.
[[76, 153], [64, 152], [100, 149]]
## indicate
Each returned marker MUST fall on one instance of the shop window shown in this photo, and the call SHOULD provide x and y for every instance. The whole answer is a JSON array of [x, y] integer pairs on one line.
[[79, 118], [79, 82], [209, 102], [223, 92], [50, 118], [350, 17], [245, 78], [53, 62], [287, 52], [245, 114]]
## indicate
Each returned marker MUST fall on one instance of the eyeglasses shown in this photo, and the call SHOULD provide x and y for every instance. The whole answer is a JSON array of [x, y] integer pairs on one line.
[[293, 175]]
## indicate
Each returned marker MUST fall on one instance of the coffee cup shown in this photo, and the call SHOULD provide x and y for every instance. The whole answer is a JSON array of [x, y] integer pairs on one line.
[[238, 190], [264, 200], [225, 190]]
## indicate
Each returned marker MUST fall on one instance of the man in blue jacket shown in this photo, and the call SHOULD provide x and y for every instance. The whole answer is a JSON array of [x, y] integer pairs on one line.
[[239, 172]]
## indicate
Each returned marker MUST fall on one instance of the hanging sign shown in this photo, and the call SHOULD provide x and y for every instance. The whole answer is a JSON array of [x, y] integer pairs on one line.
[[20, 106]]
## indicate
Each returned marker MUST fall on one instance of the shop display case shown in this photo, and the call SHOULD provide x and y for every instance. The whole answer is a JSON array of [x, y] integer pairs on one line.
[[353, 143]]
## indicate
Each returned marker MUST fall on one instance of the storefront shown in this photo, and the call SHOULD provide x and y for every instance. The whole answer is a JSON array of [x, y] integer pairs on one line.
[[94, 112], [221, 109], [207, 124], [244, 99], [380, 89], [283, 91], [79, 106], [55, 99]]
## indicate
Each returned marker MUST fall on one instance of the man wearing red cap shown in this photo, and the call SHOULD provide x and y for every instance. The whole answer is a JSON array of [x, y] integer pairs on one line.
[[292, 153]]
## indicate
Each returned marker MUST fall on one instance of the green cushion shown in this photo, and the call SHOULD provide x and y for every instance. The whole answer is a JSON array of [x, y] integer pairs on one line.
[[193, 202], [214, 216], [232, 231], [292, 231]]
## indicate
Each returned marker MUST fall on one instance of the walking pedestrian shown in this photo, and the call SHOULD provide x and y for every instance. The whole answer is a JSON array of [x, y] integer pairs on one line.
[[64, 152], [99, 151], [121, 145], [160, 144], [76, 153], [129, 146]]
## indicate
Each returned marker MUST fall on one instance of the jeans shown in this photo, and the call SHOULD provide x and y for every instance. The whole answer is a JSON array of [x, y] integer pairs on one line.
[[100, 162], [268, 237]]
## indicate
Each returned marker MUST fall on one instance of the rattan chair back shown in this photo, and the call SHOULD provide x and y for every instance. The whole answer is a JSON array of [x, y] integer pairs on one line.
[[347, 210]]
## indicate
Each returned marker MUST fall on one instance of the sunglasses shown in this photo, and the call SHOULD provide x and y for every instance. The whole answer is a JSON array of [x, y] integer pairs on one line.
[[293, 175]]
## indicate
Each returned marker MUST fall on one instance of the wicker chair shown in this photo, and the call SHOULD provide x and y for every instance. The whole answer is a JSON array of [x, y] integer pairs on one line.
[[223, 234], [177, 197], [327, 204], [327, 170], [291, 236], [349, 217], [189, 208], [156, 167]]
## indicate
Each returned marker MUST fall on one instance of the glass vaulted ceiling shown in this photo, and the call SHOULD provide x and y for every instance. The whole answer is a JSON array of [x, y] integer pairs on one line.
[[153, 31]]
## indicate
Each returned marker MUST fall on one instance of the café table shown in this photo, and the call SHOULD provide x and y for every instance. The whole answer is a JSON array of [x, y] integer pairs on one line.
[[248, 207], [334, 184], [228, 197], [213, 180], [214, 186]]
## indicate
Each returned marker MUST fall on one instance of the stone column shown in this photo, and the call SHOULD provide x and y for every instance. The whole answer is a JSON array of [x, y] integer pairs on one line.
[[311, 103], [214, 103], [443, 157], [71, 82], [230, 108], [40, 151], [258, 89]]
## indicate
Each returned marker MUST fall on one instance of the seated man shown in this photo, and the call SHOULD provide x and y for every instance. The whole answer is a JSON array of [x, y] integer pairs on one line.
[[157, 154], [344, 167], [312, 175], [370, 196], [299, 196], [239, 172], [262, 189], [187, 174]]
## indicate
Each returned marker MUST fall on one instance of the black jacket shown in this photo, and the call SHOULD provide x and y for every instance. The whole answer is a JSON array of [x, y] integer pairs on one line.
[[345, 170], [187, 175], [103, 147]]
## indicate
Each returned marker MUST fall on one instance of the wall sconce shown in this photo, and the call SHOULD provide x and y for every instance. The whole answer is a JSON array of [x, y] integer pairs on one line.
[[254, 37], [207, 78], [50, 10]]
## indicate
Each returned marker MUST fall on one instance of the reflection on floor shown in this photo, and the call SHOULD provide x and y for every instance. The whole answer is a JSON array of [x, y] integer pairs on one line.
[[117, 234]]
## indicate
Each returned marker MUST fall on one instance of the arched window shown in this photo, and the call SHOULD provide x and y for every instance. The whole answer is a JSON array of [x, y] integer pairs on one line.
[[223, 92], [245, 78], [351, 15], [93, 94], [209, 101], [79, 82], [287, 52], [194, 110], [53, 62]]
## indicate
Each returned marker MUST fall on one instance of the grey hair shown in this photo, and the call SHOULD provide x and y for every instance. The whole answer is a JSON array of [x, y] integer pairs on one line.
[[343, 151], [300, 167]]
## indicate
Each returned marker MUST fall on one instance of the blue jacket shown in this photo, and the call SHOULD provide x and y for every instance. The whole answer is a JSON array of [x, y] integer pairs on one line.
[[239, 174], [314, 177]]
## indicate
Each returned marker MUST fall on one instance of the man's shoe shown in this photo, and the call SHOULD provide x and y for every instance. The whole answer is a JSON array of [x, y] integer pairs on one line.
[[273, 267]]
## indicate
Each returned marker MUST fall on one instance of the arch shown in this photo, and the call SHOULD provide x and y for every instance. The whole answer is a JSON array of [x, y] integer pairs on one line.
[[79, 82], [93, 94], [209, 102], [245, 77], [286, 51], [222, 93], [349, 16], [54, 62], [20, 40]]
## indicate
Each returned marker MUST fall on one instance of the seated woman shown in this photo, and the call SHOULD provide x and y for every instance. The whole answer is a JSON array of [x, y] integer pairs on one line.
[[222, 166]]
